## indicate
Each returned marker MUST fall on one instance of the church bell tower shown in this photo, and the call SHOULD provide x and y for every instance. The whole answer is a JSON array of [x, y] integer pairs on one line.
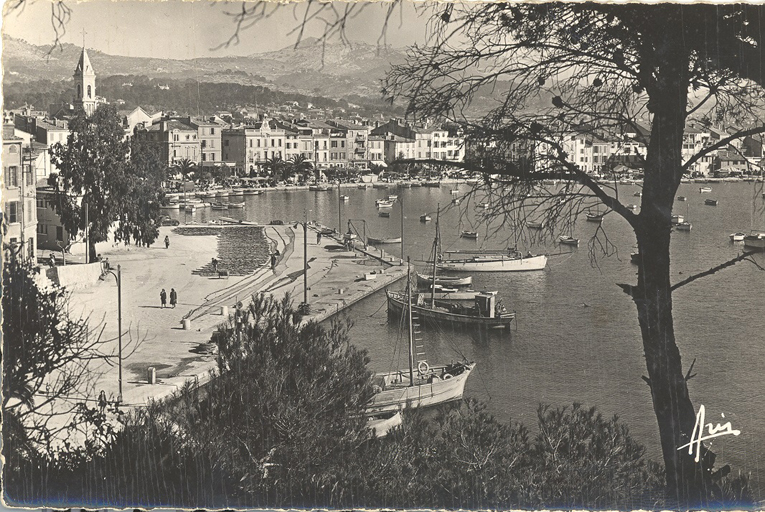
[[85, 84]]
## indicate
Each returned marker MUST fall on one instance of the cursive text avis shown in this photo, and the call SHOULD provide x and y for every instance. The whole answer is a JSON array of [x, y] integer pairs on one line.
[[714, 431]]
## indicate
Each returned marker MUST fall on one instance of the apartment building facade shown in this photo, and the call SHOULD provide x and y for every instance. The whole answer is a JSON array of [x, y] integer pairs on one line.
[[19, 194], [209, 132], [250, 147], [174, 139]]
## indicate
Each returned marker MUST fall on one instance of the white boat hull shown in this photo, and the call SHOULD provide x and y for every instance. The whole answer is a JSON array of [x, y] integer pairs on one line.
[[424, 280], [381, 426], [496, 264], [400, 396]]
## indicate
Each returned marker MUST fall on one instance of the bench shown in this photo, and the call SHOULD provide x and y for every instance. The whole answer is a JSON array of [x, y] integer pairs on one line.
[[223, 273]]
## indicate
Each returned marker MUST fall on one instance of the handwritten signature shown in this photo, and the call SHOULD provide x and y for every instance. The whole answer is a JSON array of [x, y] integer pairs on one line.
[[714, 431]]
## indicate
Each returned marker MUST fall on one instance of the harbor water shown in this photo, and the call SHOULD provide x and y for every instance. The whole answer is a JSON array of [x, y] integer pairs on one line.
[[576, 337]]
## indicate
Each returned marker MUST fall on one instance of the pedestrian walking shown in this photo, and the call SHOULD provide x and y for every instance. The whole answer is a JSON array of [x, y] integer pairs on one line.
[[239, 316], [163, 298], [215, 264], [52, 260], [173, 297], [318, 237], [167, 242], [102, 402]]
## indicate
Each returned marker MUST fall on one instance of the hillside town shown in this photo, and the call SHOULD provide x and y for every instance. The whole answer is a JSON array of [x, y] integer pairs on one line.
[[433, 270], [250, 146]]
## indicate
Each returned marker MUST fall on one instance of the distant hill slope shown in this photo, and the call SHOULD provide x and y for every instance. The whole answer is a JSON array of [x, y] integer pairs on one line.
[[334, 70]]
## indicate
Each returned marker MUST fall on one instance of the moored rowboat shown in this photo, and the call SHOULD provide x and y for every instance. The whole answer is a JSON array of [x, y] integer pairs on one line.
[[444, 280], [378, 241]]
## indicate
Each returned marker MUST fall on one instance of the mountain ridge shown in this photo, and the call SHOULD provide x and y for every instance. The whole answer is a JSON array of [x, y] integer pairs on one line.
[[335, 69]]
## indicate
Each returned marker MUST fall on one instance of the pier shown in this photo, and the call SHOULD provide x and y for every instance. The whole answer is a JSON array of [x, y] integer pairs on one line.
[[175, 343]]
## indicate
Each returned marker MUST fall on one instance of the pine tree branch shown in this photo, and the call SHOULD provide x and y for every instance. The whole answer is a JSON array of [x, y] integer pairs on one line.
[[720, 144], [713, 270]]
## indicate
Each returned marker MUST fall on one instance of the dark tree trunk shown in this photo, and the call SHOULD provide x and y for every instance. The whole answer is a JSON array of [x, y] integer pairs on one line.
[[688, 482], [92, 251]]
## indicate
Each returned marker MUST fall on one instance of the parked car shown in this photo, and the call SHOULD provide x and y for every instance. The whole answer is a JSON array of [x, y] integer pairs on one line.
[[165, 220]]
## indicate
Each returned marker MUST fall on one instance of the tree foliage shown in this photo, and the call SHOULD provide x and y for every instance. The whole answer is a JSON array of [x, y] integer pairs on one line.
[[281, 424], [47, 358], [603, 70], [45, 352], [95, 169]]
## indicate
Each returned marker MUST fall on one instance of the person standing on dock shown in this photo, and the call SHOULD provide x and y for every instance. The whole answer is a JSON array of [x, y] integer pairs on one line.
[[274, 258], [163, 298], [167, 242], [173, 297]]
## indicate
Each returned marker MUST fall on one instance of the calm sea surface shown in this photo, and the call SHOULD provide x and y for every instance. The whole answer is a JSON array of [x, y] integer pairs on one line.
[[577, 338]]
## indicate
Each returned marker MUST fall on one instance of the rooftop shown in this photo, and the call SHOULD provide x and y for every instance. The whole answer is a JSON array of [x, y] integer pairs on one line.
[[8, 134]]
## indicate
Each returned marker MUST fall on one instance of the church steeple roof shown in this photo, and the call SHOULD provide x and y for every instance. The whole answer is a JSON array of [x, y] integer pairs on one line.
[[84, 65]]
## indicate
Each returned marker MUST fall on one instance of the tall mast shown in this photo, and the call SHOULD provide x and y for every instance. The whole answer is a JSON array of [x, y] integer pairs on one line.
[[436, 252], [402, 229], [409, 321]]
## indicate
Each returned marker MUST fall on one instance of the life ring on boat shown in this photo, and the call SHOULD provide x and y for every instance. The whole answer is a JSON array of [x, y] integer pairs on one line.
[[447, 376], [423, 367]]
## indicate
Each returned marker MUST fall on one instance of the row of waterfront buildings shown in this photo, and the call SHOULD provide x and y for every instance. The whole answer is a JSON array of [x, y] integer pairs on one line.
[[248, 148], [325, 144]]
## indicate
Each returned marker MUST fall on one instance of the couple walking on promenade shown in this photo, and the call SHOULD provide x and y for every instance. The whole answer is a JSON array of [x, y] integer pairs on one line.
[[173, 297]]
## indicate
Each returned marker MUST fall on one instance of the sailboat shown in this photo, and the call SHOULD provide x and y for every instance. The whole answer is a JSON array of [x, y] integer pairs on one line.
[[497, 261], [510, 260], [755, 240], [569, 239], [594, 217], [681, 223], [487, 311], [419, 385]]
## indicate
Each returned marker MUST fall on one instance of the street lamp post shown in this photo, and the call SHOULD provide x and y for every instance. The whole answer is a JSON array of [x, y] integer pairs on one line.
[[118, 277], [305, 260]]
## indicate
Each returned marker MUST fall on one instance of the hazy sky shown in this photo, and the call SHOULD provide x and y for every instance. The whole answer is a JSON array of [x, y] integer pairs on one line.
[[183, 30]]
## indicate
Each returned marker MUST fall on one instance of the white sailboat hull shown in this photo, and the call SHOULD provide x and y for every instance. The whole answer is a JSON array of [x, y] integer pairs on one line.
[[495, 264], [383, 424], [398, 395]]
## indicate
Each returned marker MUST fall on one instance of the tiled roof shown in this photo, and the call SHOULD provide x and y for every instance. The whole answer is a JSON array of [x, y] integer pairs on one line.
[[172, 124], [8, 134], [51, 126]]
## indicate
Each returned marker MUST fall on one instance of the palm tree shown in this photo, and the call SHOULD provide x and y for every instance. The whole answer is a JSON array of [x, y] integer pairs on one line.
[[274, 166], [185, 167], [299, 164]]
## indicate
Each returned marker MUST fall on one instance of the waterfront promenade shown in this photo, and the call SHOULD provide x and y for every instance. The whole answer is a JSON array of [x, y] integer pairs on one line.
[[155, 337]]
